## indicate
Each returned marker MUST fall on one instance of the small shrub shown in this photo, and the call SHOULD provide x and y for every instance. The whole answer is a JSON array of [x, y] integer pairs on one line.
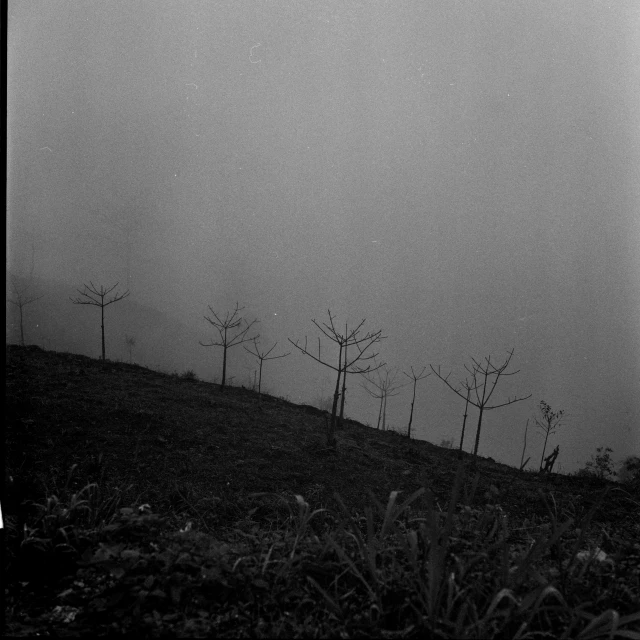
[[600, 466], [447, 443], [189, 374], [629, 473]]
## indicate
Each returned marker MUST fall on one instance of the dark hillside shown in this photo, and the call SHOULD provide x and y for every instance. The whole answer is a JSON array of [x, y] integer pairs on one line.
[[167, 435], [195, 454]]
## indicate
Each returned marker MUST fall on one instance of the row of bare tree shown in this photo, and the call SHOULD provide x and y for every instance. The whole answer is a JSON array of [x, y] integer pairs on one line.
[[355, 357]]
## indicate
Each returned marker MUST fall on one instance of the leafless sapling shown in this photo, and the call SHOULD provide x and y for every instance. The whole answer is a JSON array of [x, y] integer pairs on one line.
[[523, 462], [415, 377], [464, 418], [485, 379], [96, 298], [384, 386], [130, 341], [21, 298], [231, 332], [350, 338], [262, 356], [547, 422]]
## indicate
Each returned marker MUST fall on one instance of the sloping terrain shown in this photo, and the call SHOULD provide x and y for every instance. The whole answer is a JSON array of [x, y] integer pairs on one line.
[[195, 454]]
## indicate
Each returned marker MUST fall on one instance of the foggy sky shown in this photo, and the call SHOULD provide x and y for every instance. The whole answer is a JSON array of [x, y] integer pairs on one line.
[[464, 175]]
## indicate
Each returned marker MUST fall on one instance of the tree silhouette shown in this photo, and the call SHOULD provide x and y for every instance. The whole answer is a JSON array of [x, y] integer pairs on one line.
[[130, 341], [231, 334], [96, 298], [350, 338], [21, 298], [415, 377], [547, 422], [523, 462], [485, 377], [384, 386], [464, 417], [262, 356]]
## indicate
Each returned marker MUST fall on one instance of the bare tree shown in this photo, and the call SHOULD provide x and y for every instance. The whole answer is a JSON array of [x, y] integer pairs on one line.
[[130, 341], [384, 386], [21, 298], [96, 298], [415, 377], [485, 378], [231, 334], [464, 418], [262, 356], [523, 462], [350, 338], [548, 422]]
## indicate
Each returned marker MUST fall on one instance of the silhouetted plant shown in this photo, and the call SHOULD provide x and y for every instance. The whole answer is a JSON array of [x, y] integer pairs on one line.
[[415, 377], [600, 466], [350, 338], [485, 377], [629, 473], [21, 298], [231, 334], [96, 298], [130, 341], [523, 462], [548, 422], [262, 356], [383, 384]]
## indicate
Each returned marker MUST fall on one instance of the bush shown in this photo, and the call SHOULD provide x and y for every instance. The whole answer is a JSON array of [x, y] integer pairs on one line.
[[629, 473], [600, 466], [189, 374]]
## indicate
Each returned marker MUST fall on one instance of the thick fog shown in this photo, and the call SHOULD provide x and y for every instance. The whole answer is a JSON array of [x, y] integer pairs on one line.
[[464, 175]]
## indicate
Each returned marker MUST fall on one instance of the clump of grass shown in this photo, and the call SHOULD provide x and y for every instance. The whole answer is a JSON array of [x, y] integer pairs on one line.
[[189, 374], [400, 569], [51, 534]]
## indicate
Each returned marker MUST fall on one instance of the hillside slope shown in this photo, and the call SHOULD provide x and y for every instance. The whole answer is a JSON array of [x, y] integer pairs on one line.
[[184, 445], [143, 503]]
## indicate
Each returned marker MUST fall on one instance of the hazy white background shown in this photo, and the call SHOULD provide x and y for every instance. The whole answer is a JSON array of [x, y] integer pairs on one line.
[[464, 175]]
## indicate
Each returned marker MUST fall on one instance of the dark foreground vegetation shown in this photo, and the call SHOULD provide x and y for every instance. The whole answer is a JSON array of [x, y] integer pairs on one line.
[[154, 505]]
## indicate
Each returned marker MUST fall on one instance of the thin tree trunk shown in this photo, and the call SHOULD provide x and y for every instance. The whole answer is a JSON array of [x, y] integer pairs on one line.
[[334, 408], [544, 448], [464, 423], [344, 386], [379, 413], [475, 448], [102, 316], [415, 382], [384, 414], [224, 367], [21, 328], [524, 446]]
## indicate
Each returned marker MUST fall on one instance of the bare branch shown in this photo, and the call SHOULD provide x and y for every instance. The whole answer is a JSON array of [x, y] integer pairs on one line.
[[485, 378], [344, 340], [231, 321], [94, 296], [21, 301]]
